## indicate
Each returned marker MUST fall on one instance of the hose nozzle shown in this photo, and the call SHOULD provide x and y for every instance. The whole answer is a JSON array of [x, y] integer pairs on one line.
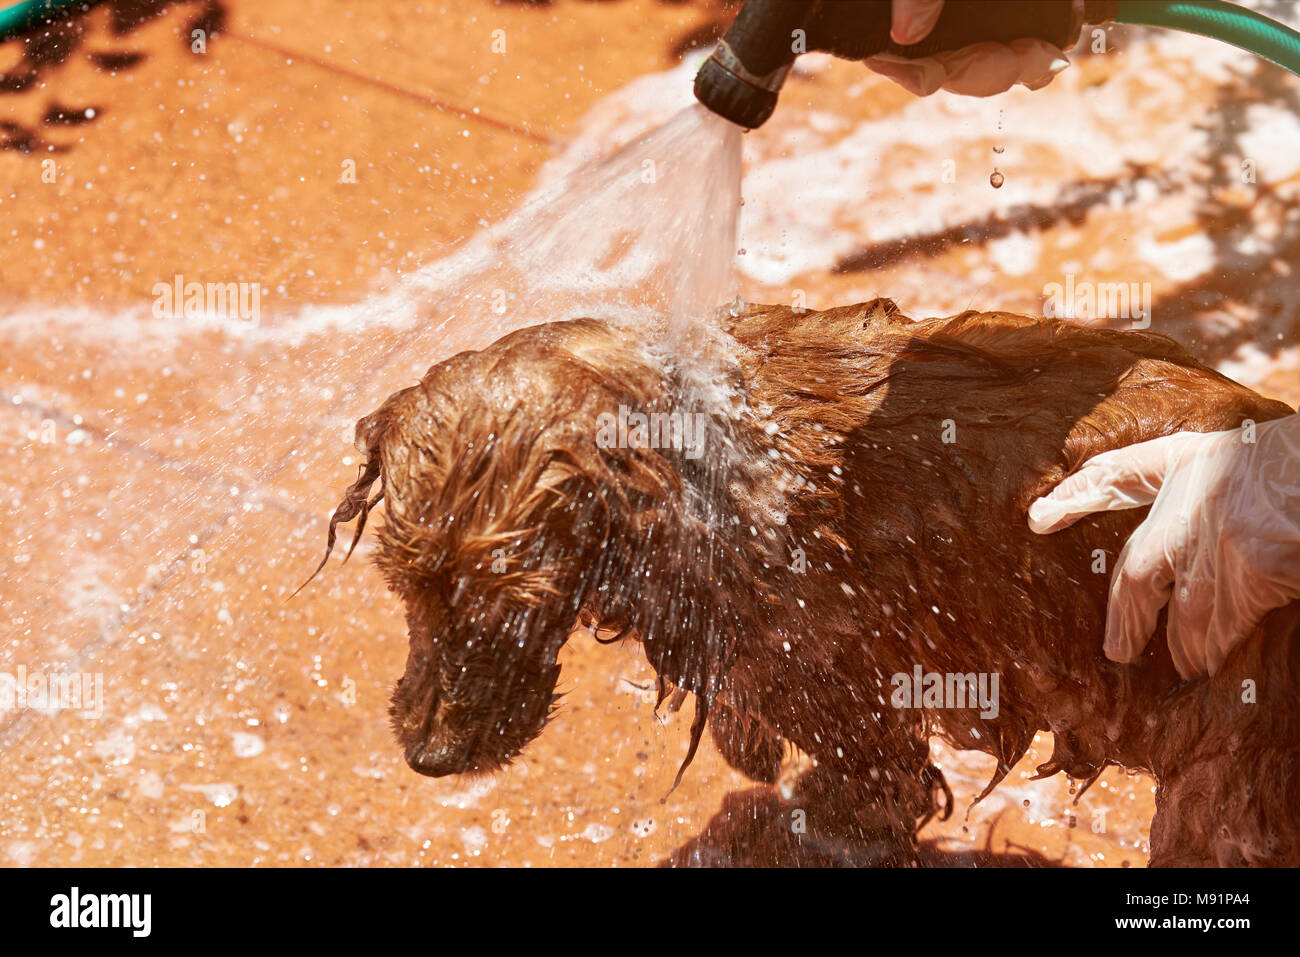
[[728, 89], [742, 79]]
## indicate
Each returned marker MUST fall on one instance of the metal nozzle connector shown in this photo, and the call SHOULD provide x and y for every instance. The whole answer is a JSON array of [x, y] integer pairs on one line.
[[733, 92]]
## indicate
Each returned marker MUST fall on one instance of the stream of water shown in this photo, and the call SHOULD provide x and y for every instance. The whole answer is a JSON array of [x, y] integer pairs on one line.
[[645, 236]]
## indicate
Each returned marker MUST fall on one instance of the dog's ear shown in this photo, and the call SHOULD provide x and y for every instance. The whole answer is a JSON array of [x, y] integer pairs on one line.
[[357, 502]]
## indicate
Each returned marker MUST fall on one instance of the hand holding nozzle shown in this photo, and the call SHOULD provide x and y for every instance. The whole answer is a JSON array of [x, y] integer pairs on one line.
[[977, 47], [981, 69]]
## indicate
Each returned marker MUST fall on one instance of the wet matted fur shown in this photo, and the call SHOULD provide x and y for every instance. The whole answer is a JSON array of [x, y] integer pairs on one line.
[[858, 511]]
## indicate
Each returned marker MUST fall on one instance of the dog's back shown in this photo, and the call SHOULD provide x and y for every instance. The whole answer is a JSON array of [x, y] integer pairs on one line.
[[951, 427]]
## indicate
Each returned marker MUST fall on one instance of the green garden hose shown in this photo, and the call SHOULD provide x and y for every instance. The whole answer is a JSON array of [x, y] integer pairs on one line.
[[1228, 22], [21, 16]]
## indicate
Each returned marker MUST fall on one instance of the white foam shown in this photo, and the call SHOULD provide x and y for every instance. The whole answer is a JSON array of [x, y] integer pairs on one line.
[[1271, 139]]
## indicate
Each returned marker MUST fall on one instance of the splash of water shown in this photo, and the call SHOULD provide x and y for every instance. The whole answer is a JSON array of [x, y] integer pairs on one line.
[[644, 237]]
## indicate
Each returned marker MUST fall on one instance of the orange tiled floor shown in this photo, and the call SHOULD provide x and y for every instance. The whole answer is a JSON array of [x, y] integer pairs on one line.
[[166, 483]]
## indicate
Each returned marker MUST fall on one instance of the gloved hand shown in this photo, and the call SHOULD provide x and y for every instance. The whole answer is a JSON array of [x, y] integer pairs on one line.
[[1222, 536], [982, 69]]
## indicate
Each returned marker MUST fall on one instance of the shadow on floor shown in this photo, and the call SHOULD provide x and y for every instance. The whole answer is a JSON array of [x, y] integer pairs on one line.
[[47, 46], [754, 828]]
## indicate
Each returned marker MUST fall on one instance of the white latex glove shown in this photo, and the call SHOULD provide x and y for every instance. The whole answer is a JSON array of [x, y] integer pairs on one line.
[[981, 69], [1222, 537]]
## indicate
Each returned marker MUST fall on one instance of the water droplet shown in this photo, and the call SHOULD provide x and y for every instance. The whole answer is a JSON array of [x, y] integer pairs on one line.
[[247, 745], [997, 179], [474, 839], [598, 833], [999, 149]]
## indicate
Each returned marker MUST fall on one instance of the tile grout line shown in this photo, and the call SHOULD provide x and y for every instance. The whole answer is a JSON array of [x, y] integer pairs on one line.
[[382, 84]]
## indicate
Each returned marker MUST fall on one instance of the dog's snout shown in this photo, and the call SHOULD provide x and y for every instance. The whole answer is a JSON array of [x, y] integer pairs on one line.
[[439, 760]]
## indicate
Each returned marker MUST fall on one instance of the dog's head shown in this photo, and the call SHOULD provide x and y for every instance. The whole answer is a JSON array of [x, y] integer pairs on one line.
[[500, 516]]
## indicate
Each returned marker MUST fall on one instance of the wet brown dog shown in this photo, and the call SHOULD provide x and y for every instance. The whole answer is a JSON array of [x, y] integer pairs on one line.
[[859, 511]]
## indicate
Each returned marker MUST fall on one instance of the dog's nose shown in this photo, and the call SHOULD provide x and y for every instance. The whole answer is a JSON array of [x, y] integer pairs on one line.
[[438, 761]]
